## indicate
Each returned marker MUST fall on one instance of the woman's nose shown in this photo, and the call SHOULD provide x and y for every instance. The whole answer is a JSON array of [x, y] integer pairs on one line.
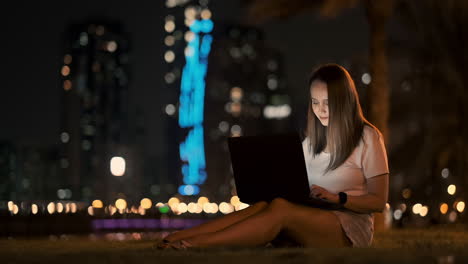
[[323, 108]]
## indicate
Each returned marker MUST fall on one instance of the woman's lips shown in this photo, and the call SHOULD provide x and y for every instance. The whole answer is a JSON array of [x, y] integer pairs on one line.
[[324, 117]]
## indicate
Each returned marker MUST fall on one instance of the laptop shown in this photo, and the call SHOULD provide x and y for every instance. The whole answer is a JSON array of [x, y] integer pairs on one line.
[[269, 166]]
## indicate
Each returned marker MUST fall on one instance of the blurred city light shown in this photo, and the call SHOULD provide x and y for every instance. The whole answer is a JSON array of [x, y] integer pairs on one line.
[[203, 200], [146, 203], [112, 46], [452, 216], [451, 189], [236, 131], [276, 111], [90, 210], [51, 208], [417, 208], [97, 204], [182, 208], [460, 206], [67, 85], [121, 204], [169, 41], [235, 201], [423, 211], [117, 166], [444, 208], [445, 173], [169, 26], [73, 208], [169, 56], [64, 137], [34, 209], [236, 94], [397, 214], [59, 208], [67, 59], [406, 193], [65, 70], [226, 208], [366, 78]]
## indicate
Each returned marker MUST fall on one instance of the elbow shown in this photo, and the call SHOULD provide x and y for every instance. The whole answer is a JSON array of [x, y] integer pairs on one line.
[[382, 205]]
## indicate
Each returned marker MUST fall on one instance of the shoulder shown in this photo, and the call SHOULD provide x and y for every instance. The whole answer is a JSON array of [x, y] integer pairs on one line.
[[371, 134]]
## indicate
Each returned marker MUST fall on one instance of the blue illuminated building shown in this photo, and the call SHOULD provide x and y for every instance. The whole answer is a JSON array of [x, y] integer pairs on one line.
[[191, 110]]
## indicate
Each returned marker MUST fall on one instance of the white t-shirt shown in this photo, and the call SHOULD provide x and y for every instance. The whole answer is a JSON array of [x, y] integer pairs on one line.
[[368, 159]]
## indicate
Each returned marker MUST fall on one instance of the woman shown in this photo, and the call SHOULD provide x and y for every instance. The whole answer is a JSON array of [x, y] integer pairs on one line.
[[346, 164]]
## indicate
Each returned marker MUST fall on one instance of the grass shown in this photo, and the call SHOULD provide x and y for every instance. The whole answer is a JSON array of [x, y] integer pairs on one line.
[[437, 245]]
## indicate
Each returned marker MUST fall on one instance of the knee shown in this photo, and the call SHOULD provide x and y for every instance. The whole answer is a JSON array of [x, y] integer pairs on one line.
[[261, 204], [279, 203]]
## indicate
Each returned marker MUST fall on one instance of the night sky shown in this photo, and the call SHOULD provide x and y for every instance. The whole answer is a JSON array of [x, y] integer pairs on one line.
[[32, 56]]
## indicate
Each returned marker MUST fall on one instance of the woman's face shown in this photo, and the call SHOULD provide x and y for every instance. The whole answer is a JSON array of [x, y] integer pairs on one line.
[[319, 98]]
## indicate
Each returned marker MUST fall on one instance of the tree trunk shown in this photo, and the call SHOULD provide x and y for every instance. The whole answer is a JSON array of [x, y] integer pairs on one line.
[[378, 93]]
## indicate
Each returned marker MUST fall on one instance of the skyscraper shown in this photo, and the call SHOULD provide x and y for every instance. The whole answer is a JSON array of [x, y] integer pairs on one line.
[[188, 41], [222, 81], [247, 94], [94, 86]]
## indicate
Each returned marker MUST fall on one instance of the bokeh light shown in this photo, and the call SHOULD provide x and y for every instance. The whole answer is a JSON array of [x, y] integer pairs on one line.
[[120, 204], [406, 193], [169, 41], [169, 56], [397, 214], [51, 208], [169, 26], [202, 200], [146, 203], [444, 208], [90, 210], [65, 70], [451, 189], [205, 14], [445, 173], [366, 78], [34, 209], [226, 208], [182, 208], [460, 206], [117, 166], [423, 211], [97, 204], [417, 208], [59, 208]]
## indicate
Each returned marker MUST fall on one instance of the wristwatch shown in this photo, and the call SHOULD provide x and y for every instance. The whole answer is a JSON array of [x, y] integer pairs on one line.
[[343, 197]]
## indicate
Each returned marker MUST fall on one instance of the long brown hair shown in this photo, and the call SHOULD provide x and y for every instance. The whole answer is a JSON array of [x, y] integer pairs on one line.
[[346, 121]]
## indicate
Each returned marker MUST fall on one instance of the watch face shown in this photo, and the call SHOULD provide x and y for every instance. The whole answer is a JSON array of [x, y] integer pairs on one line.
[[343, 197]]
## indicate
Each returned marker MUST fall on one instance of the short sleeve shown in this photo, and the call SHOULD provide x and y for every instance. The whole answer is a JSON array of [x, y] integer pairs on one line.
[[374, 155]]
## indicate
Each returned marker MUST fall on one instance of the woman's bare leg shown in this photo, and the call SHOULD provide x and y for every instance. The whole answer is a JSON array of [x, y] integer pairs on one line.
[[219, 223], [308, 226]]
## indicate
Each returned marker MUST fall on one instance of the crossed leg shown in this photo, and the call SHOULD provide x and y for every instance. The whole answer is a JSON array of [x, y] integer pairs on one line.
[[308, 226], [219, 223]]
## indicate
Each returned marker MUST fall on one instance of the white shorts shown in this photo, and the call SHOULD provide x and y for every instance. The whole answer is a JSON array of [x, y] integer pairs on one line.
[[359, 228]]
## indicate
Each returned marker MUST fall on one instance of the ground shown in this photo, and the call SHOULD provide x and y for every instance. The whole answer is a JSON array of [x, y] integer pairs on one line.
[[434, 245]]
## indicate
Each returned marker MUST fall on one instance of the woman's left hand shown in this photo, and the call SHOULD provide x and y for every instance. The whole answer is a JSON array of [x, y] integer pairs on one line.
[[321, 193]]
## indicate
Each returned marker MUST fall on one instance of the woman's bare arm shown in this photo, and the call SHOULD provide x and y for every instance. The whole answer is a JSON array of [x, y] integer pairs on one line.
[[374, 200]]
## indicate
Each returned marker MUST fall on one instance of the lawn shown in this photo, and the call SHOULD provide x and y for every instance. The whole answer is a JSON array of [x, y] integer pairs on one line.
[[435, 245]]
